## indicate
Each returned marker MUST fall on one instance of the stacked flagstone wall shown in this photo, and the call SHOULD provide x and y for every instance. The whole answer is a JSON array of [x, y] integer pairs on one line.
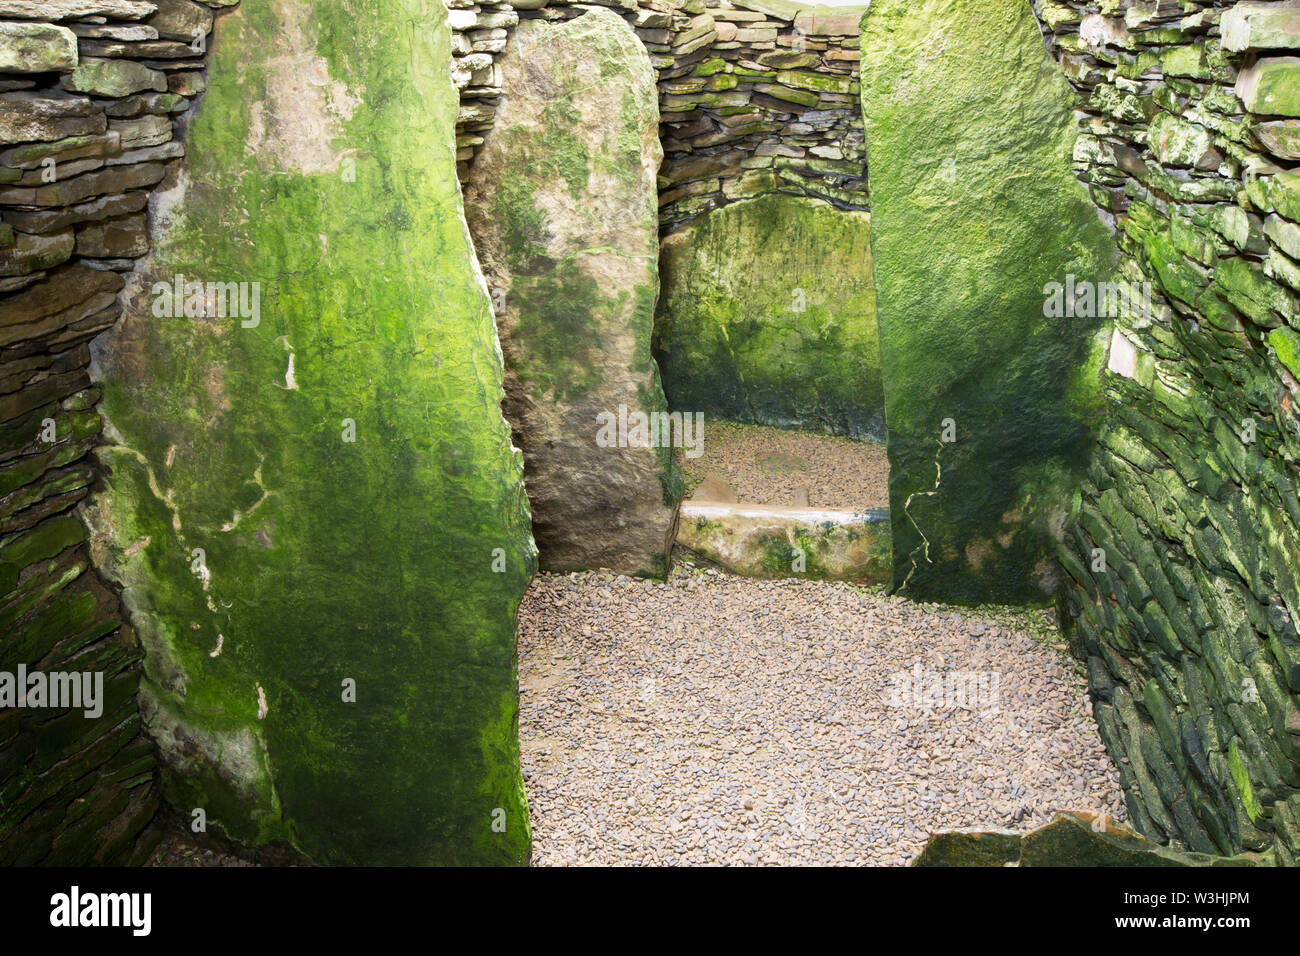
[[754, 97], [1183, 544], [93, 95]]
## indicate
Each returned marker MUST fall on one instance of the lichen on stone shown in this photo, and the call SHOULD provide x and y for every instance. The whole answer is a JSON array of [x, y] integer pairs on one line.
[[368, 283]]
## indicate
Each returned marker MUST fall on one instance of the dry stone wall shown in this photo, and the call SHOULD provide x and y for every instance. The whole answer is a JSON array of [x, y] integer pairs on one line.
[[93, 95], [1183, 547], [754, 97]]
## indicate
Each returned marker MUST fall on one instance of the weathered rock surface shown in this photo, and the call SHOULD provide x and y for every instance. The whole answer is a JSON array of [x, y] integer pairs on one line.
[[180, 19], [317, 497], [36, 48], [27, 116], [1181, 544], [1070, 839], [974, 211], [68, 9], [1261, 26], [114, 78], [561, 203], [754, 97], [768, 314], [772, 541]]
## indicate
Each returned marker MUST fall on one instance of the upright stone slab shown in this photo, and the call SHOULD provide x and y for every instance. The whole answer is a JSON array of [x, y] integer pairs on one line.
[[562, 204], [975, 211], [768, 314], [313, 506]]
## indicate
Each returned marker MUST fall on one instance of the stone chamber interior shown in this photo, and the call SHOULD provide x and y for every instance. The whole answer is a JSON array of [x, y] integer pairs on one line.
[[748, 371]]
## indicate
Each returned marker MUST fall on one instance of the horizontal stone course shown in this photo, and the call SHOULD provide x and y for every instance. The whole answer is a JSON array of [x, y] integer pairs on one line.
[[27, 116], [1271, 86], [67, 9], [91, 92], [36, 47], [734, 79]]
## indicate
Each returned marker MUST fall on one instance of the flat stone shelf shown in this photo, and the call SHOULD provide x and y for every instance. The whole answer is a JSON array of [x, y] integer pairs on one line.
[[778, 541]]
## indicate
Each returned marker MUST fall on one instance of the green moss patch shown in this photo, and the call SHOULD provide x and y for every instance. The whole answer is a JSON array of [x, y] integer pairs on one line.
[[342, 462], [975, 210], [767, 314]]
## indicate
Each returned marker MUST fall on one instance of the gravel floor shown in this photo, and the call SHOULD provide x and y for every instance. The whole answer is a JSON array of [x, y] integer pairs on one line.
[[765, 466], [716, 719]]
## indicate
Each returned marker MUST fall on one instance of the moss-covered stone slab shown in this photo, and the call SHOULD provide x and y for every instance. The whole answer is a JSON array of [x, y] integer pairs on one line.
[[563, 208], [970, 848], [1070, 839], [769, 541], [1279, 137], [975, 211], [768, 315], [313, 506], [1286, 345]]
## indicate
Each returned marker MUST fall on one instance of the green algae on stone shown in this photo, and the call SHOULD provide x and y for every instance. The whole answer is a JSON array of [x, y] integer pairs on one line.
[[315, 512], [1071, 838], [1188, 625], [36, 48], [114, 78], [775, 542], [562, 205], [768, 315], [1286, 344], [975, 211]]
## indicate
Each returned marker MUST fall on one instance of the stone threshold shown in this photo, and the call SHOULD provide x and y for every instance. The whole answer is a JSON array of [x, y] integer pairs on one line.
[[779, 541], [720, 511]]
